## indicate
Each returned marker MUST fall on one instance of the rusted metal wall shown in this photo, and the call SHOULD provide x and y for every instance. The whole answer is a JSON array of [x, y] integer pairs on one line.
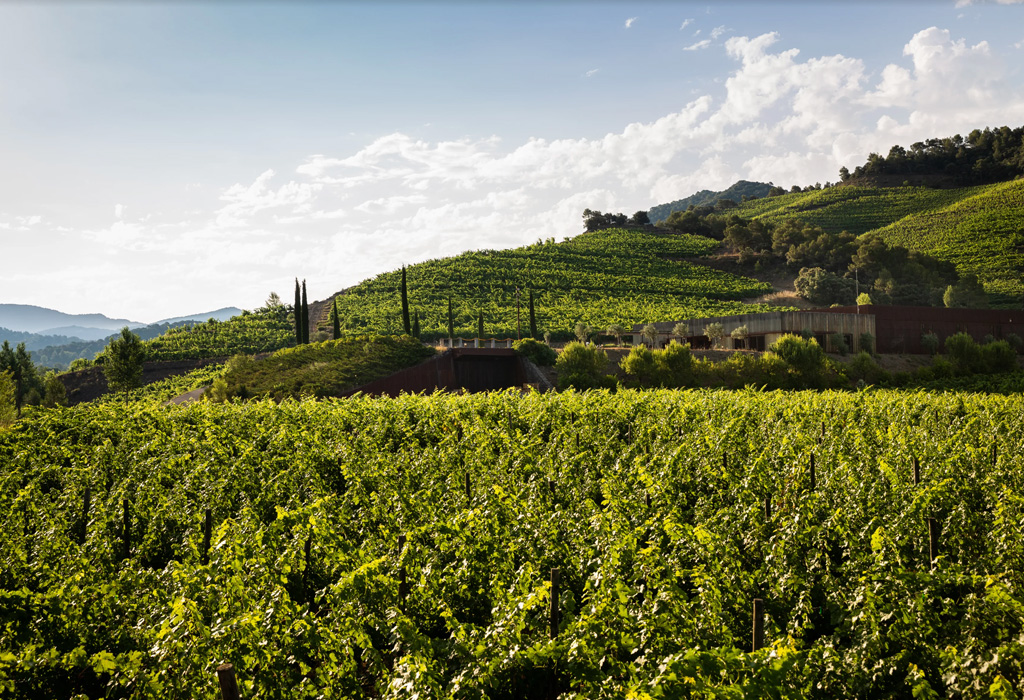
[[899, 328]]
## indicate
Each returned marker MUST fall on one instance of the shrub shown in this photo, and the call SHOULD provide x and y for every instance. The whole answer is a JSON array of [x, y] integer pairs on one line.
[[838, 341], [581, 367], [863, 368], [867, 343], [536, 352], [930, 341], [715, 331], [802, 355], [640, 366], [1015, 342], [675, 366], [964, 353], [819, 286], [998, 357]]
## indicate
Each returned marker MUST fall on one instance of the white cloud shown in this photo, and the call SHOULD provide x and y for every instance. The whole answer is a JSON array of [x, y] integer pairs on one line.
[[718, 31], [630, 21], [698, 46], [591, 73], [686, 23], [118, 211], [341, 217], [29, 220]]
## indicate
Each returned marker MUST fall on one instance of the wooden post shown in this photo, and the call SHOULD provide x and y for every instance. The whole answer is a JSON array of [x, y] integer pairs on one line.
[[228, 684], [813, 479], [577, 442], [126, 536], [768, 508], [647, 499], [403, 586], [917, 471], [469, 491], [823, 429], [551, 488], [933, 540], [207, 531], [305, 572], [555, 580], [86, 498], [725, 462], [758, 641], [995, 454]]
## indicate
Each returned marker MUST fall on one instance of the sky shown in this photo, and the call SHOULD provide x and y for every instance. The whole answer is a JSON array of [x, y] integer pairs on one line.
[[165, 158]]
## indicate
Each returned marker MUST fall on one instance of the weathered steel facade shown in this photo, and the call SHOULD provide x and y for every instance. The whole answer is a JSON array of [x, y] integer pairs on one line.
[[895, 329], [900, 328]]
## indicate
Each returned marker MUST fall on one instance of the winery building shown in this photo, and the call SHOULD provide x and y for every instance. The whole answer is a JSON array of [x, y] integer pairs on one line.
[[892, 329]]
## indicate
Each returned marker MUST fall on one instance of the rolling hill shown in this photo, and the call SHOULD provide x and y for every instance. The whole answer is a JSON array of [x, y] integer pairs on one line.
[[622, 276], [980, 229]]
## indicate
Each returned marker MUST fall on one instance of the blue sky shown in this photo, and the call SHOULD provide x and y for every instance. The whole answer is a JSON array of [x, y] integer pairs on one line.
[[166, 158]]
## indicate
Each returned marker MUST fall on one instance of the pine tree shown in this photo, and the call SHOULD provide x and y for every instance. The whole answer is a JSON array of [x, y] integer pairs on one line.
[[405, 305], [416, 325], [451, 320], [480, 326], [335, 321], [305, 315], [298, 313], [533, 318]]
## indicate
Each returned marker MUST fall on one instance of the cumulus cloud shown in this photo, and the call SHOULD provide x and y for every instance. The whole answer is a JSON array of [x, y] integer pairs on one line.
[[780, 117], [698, 46], [630, 21]]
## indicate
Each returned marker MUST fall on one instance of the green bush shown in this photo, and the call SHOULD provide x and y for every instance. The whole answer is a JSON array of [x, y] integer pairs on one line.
[[581, 367], [964, 353], [998, 357], [675, 366], [867, 343], [864, 368], [536, 352], [930, 341], [640, 366]]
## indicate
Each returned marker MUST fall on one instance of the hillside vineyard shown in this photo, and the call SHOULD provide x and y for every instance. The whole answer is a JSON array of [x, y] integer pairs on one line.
[[405, 548]]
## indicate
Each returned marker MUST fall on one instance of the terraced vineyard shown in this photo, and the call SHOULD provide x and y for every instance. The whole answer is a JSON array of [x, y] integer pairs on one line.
[[348, 557], [599, 278], [980, 229], [263, 330]]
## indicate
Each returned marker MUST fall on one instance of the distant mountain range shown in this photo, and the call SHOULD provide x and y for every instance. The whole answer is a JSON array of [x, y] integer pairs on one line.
[[41, 328], [743, 188]]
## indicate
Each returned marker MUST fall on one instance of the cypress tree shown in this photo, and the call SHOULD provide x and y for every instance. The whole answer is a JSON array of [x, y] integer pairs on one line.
[[416, 325], [298, 313], [335, 321], [533, 318], [305, 315], [451, 320], [405, 305], [480, 326]]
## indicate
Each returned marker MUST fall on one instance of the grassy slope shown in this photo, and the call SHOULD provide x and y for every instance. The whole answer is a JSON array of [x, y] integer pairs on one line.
[[324, 369], [599, 278], [980, 229]]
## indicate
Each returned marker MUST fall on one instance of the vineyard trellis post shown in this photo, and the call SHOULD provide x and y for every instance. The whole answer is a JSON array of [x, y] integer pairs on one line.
[[305, 572], [86, 498], [917, 471], [933, 541], [403, 584], [553, 611], [758, 625], [207, 531], [228, 684], [813, 478], [126, 537]]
